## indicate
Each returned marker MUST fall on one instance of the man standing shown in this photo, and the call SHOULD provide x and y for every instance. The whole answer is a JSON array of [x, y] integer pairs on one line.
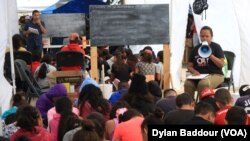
[[33, 30]]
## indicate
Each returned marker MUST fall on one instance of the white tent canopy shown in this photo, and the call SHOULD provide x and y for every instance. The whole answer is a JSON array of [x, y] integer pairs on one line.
[[228, 18], [30, 5]]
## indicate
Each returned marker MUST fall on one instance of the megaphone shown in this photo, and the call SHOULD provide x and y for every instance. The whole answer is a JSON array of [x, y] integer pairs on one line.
[[204, 50]]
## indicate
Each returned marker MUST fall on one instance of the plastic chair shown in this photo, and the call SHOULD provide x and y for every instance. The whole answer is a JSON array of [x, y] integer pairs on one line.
[[23, 55], [69, 59], [228, 80], [29, 84]]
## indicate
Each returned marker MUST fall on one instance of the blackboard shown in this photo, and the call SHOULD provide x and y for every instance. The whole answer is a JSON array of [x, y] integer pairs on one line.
[[61, 25], [129, 24]]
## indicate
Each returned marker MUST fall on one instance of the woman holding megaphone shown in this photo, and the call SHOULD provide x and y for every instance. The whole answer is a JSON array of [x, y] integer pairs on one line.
[[206, 58]]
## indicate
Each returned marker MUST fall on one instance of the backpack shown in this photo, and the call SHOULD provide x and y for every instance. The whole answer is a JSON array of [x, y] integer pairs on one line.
[[199, 6]]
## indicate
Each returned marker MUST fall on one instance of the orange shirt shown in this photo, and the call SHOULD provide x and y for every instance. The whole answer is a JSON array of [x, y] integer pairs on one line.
[[129, 130]]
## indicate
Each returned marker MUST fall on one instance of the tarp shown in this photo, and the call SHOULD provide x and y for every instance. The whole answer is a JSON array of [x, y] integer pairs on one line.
[[243, 20], [8, 27], [73, 6]]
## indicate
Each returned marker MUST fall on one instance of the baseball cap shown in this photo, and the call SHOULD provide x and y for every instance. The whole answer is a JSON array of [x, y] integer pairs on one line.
[[207, 92], [73, 36], [244, 90]]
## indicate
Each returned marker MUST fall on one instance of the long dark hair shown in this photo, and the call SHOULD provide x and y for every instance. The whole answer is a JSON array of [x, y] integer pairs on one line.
[[90, 93], [17, 41], [68, 118], [93, 95], [64, 108], [68, 121], [43, 70]]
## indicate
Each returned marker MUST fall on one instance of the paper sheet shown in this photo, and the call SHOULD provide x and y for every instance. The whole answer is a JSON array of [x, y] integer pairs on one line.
[[201, 76], [33, 30]]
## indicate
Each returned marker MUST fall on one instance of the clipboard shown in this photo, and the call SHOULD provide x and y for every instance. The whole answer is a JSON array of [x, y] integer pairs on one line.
[[197, 77]]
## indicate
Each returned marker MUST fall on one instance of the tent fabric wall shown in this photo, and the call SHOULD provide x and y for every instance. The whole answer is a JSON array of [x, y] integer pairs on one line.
[[8, 18], [241, 9], [179, 18]]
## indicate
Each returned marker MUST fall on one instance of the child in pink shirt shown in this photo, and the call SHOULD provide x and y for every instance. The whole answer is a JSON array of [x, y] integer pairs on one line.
[[63, 107]]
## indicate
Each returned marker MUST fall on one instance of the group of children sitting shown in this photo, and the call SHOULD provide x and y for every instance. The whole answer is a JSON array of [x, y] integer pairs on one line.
[[125, 116]]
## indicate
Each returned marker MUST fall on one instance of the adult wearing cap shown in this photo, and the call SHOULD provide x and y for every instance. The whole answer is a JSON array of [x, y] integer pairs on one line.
[[33, 30], [207, 95], [74, 41], [244, 99], [211, 65]]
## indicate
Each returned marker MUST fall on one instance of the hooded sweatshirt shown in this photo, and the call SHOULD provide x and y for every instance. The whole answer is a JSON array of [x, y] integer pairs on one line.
[[45, 101]]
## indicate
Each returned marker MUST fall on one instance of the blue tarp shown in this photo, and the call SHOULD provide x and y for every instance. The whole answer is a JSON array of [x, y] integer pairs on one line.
[[74, 6], [49, 10]]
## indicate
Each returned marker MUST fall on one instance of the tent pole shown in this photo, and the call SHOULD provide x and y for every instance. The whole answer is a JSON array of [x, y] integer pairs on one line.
[[12, 67], [11, 59]]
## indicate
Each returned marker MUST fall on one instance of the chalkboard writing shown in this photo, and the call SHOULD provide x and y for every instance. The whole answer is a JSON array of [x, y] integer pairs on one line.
[[129, 24], [61, 25]]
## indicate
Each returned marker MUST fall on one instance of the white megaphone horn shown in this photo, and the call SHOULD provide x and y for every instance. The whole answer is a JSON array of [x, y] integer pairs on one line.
[[204, 50]]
